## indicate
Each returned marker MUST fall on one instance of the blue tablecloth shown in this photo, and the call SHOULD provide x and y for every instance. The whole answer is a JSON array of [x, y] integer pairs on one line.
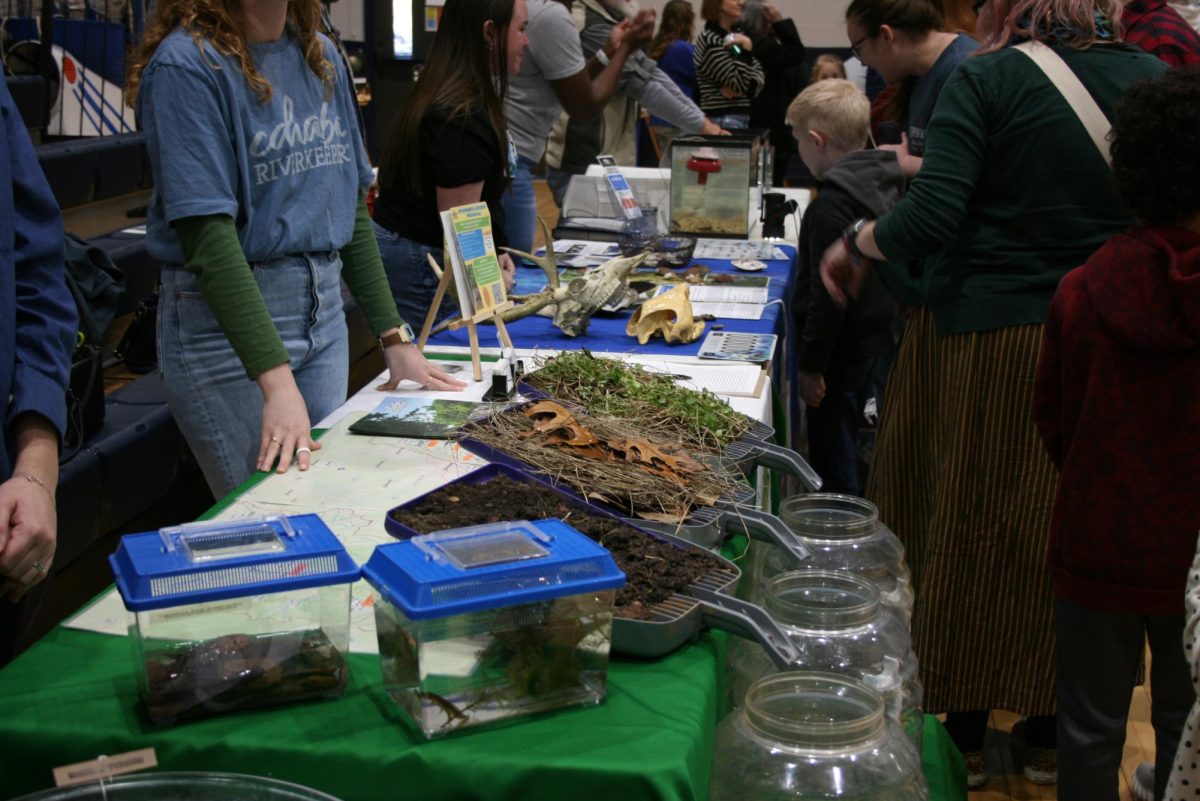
[[607, 331]]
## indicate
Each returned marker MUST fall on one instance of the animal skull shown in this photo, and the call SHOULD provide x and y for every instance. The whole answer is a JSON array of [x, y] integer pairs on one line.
[[575, 302], [669, 314]]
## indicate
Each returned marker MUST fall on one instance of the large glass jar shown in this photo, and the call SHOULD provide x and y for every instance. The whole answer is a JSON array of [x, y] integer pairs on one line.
[[809, 736], [837, 624], [843, 533]]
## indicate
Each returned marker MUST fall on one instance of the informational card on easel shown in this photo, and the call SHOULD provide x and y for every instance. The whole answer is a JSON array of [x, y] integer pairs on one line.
[[473, 258], [474, 267]]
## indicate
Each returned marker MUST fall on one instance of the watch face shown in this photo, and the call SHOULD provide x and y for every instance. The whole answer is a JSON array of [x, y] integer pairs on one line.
[[406, 333]]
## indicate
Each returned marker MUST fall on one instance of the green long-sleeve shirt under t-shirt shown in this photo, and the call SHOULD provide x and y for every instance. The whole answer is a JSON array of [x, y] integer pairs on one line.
[[1012, 193], [214, 253]]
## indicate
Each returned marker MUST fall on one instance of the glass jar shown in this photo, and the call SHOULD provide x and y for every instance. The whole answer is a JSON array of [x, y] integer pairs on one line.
[[809, 736], [843, 533], [837, 624]]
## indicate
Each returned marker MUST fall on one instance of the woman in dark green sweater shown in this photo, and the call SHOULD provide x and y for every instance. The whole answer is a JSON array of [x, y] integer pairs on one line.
[[1011, 195]]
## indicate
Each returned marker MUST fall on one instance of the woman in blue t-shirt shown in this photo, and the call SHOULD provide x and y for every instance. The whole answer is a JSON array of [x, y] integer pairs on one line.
[[449, 146], [259, 169]]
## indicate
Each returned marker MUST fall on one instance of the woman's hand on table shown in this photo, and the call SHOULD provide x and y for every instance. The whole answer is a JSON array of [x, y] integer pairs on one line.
[[812, 388], [405, 361], [286, 430], [508, 271]]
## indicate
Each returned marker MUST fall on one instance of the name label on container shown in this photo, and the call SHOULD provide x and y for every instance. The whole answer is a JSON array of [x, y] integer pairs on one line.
[[104, 767]]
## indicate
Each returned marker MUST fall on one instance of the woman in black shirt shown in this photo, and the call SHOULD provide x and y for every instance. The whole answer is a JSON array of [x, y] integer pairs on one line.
[[449, 146]]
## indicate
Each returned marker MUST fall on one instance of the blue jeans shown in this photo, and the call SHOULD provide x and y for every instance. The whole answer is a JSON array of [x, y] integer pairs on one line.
[[520, 209], [410, 278], [558, 180], [833, 427], [731, 121], [216, 405]]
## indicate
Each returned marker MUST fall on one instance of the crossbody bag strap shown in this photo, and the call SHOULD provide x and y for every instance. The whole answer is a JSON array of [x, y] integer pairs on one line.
[[1074, 92]]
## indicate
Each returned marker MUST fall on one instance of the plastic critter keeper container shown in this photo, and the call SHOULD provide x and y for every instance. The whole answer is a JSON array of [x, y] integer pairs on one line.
[[491, 622], [236, 614], [711, 182]]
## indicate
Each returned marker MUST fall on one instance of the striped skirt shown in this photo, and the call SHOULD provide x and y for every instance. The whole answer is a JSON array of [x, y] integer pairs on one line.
[[960, 475]]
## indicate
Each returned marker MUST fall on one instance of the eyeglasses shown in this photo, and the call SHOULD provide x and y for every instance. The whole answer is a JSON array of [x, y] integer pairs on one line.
[[854, 51]]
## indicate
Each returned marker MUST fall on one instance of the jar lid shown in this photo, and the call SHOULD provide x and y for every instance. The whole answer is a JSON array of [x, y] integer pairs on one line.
[[814, 710], [822, 599], [826, 515]]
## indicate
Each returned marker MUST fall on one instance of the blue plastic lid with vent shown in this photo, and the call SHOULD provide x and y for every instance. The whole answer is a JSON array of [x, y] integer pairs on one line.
[[489, 566], [213, 561]]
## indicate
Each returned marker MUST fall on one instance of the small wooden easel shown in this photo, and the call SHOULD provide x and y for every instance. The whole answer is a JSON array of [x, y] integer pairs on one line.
[[470, 320]]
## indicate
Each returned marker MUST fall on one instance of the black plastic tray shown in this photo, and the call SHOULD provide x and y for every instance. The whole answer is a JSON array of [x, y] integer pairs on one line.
[[669, 623]]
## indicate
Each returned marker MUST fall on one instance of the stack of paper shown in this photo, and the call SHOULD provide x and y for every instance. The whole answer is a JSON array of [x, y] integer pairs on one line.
[[742, 297]]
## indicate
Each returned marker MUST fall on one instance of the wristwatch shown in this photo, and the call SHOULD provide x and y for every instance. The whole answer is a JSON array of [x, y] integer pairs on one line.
[[401, 336], [850, 237]]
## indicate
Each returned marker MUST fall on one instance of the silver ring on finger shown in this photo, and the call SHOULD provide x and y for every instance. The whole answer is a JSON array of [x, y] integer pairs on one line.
[[303, 450], [275, 440], [428, 382], [39, 567]]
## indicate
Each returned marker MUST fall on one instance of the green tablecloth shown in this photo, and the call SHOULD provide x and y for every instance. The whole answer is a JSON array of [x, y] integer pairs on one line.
[[72, 697]]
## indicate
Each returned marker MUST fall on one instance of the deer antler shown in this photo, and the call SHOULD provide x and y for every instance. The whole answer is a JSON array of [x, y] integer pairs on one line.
[[548, 263]]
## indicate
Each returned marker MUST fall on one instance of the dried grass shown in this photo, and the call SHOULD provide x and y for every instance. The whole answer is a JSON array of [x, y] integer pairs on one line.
[[621, 484]]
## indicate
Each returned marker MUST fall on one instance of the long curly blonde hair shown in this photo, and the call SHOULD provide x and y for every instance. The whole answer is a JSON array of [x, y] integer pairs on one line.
[[218, 22]]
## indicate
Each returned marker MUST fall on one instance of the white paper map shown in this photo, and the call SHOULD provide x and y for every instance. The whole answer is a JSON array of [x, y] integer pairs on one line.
[[352, 482]]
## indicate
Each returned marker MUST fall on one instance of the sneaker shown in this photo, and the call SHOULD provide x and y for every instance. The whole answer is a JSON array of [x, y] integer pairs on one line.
[[976, 774], [1142, 785], [1040, 765]]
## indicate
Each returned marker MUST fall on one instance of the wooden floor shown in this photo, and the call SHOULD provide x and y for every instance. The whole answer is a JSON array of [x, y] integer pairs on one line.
[[1006, 781]]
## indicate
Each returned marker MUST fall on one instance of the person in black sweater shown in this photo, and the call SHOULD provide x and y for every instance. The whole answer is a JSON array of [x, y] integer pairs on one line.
[[778, 48], [838, 345]]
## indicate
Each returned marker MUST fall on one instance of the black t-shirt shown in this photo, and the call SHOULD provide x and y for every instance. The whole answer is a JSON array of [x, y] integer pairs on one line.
[[455, 150]]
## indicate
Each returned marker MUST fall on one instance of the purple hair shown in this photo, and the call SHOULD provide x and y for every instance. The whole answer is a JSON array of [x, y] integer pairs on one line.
[[1077, 24]]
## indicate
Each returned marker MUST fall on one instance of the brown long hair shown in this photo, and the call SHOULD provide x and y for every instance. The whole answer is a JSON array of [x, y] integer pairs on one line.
[[460, 74], [217, 22], [678, 22]]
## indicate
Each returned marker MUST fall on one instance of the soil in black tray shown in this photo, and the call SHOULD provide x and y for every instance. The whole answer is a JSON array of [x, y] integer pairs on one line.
[[654, 569]]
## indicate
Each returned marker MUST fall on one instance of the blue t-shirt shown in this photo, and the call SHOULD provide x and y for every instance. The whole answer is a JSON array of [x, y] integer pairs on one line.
[[926, 90], [289, 171]]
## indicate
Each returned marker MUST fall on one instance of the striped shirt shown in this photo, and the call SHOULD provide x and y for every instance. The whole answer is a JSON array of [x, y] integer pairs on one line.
[[718, 68]]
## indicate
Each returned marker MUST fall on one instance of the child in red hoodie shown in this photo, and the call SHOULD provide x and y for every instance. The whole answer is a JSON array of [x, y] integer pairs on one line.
[[1117, 403]]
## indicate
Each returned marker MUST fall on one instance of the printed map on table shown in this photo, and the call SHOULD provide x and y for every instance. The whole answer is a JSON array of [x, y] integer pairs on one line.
[[352, 482]]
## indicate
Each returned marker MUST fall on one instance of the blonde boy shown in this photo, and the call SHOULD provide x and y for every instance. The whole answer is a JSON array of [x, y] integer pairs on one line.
[[838, 347]]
